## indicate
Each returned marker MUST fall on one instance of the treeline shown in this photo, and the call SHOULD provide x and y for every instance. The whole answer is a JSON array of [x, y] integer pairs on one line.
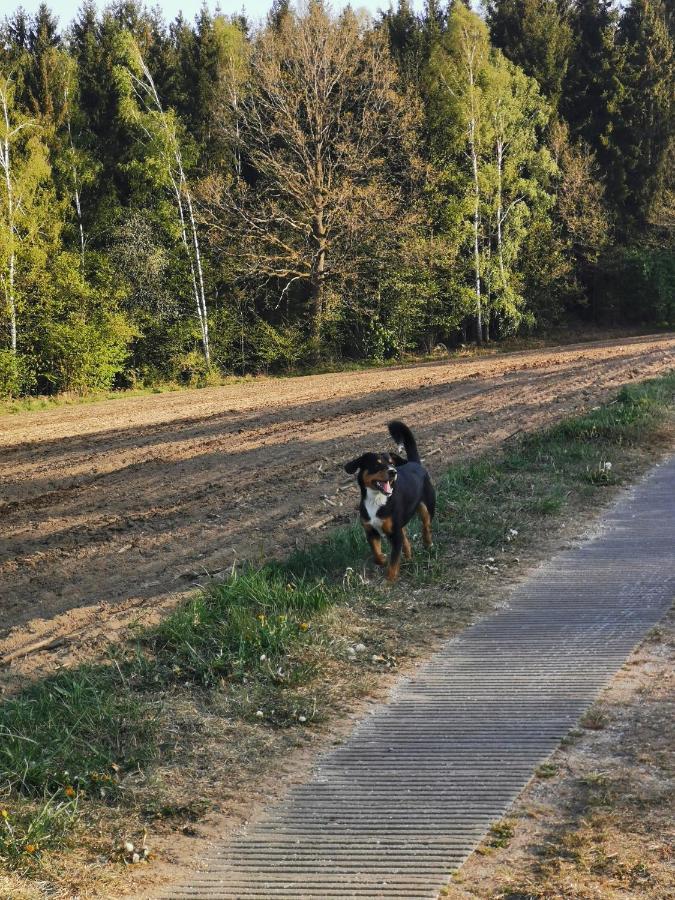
[[195, 197]]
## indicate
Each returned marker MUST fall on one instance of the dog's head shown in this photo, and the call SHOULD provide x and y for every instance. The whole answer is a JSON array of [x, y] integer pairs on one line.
[[376, 471]]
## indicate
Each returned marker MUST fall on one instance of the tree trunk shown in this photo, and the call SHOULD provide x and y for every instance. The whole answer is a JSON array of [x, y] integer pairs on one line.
[[6, 165], [76, 190], [317, 294], [500, 253], [200, 275], [181, 190], [476, 252], [319, 238], [476, 208]]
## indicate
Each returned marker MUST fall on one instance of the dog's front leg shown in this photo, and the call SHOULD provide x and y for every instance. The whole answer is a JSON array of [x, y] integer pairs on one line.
[[394, 566], [375, 542]]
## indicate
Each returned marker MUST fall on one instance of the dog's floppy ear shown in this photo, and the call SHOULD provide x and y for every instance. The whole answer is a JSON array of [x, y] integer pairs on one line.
[[354, 465]]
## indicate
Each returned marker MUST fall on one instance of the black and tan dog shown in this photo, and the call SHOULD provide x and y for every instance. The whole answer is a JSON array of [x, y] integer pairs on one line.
[[393, 489]]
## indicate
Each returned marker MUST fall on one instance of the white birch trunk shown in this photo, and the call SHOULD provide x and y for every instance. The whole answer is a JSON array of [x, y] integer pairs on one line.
[[76, 188], [500, 250], [476, 186], [181, 190], [5, 163]]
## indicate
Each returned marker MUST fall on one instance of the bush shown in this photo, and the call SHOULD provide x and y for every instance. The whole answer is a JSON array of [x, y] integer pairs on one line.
[[16, 377], [638, 285], [77, 355], [277, 348]]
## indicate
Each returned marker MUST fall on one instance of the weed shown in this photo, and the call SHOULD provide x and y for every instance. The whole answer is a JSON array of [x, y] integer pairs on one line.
[[546, 770], [594, 719], [501, 833], [247, 623], [26, 831]]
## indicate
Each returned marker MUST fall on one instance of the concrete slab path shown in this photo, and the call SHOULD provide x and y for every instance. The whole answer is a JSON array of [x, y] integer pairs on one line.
[[398, 807]]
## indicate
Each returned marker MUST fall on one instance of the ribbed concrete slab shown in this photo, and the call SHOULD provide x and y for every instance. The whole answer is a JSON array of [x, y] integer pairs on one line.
[[403, 802]]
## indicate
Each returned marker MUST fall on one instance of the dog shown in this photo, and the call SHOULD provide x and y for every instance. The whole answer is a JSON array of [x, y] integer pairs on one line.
[[393, 489]]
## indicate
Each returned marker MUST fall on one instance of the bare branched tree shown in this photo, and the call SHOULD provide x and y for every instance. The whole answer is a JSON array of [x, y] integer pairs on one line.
[[328, 144]]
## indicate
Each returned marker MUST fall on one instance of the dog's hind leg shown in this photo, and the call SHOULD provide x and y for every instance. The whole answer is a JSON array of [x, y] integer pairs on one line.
[[407, 549], [375, 542], [429, 495], [425, 516]]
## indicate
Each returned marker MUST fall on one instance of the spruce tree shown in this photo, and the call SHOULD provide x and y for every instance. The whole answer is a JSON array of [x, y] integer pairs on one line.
[[592, 86], [643, 125], [536, 35]]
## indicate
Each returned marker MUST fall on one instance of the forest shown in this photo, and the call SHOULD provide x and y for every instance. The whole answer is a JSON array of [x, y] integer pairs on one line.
[[187, 200]]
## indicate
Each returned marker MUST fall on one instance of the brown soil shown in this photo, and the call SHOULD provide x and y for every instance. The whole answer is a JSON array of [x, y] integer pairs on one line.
[[113, 510]]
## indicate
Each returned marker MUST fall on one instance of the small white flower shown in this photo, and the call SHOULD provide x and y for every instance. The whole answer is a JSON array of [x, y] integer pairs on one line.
[[128, 847], [302, 719], [263, 657], [260, 714]]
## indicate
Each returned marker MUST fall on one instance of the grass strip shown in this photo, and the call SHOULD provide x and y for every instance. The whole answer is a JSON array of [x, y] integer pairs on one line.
[[82, 734]]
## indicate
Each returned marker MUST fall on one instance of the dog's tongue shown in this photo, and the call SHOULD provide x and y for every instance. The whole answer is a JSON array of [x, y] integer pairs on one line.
[[386, 487]]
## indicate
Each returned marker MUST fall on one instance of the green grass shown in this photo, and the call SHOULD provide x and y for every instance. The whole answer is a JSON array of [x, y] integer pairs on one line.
[[80, 730], [27, 831], [257, 634], [246, 624]]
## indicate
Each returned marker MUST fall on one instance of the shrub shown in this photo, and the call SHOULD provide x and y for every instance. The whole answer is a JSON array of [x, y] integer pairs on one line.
[[77, 355], [16, 377]]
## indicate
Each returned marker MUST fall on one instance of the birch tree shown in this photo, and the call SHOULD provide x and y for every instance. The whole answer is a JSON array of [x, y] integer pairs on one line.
[[24, 167], [140, 105], [519, 177], [458, 81]]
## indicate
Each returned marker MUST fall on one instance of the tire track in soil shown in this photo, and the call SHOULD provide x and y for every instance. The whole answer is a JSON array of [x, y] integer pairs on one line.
[[113, 510]]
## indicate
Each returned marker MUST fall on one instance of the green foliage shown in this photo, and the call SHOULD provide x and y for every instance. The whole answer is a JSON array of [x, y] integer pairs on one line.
[[638, 285], [78, 355], [494, 174], [159, 203], [16, 375], [536, 35]]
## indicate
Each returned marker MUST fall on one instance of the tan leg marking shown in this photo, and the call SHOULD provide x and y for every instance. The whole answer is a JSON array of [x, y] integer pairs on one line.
[[392, 570], [426, 524], [407, 549], [375, 544]]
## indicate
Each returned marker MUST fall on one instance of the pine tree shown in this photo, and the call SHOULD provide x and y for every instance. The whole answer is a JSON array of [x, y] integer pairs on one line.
[[592, 87], [406, 41], [535, 35], [643, 126]]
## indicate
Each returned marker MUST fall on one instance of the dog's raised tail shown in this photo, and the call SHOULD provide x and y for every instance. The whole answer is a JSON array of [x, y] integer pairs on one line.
[[405, 440]]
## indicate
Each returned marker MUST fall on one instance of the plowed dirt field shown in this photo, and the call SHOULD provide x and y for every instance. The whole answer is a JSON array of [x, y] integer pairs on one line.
[[114, 509]]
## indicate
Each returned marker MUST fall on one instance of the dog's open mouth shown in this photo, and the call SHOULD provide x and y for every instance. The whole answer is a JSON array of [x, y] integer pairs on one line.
[[384, 486]]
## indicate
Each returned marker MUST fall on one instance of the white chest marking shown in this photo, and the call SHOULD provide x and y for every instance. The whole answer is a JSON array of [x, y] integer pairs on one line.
[[374, 502]]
